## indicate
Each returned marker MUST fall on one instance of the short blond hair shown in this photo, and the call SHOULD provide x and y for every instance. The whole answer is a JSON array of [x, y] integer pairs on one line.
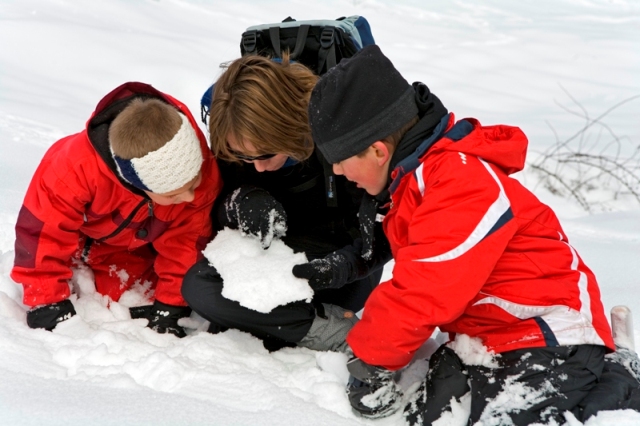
[[263, 102], [143, 126]]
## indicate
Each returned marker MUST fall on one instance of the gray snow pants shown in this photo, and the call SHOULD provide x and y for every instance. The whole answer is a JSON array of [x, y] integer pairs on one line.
[[284, 325]]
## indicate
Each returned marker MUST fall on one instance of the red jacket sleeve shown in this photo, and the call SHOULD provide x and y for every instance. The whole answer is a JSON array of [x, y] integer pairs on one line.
[[448, 228], [180, 246], [47, 232]]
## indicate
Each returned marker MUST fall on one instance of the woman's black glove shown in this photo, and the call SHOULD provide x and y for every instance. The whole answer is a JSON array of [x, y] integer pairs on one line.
[[48, 316], [255, 212], [335, 270], [371, 390], [164, 318], [343, 266]]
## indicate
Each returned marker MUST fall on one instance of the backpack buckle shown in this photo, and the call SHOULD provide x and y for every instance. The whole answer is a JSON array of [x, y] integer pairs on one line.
[[326, 37], [249, 41]]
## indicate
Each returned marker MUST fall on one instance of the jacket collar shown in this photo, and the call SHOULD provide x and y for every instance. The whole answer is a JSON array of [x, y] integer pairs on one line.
[[412, 146], [420, 144]]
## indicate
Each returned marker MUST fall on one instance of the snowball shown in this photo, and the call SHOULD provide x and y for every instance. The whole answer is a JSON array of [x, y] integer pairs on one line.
[[256, 278]]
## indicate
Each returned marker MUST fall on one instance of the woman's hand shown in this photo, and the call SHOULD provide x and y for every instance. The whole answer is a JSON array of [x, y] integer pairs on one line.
[[255, 212]]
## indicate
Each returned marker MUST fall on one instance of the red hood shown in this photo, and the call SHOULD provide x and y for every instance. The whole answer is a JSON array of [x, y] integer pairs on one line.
[[501, 145], [111, 105]]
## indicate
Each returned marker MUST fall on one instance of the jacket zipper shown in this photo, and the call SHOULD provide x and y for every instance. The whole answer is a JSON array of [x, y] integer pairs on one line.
[[128, 220]]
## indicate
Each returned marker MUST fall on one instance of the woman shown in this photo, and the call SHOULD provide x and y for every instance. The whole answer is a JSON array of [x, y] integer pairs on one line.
[[275, 180]]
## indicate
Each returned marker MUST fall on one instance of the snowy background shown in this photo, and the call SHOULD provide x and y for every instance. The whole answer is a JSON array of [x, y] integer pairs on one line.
[[541, 65]]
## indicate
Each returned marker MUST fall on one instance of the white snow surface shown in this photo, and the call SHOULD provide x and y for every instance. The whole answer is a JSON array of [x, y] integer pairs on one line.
[[258, 279], [472, 352], [535, 64]]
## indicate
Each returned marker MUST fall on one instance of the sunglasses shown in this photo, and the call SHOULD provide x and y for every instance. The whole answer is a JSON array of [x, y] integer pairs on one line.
[[250, 159]]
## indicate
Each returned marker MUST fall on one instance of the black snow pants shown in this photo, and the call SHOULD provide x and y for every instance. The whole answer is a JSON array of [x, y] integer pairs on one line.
[[528, 386], [284, 325]]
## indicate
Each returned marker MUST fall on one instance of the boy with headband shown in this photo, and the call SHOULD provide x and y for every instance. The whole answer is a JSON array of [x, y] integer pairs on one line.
[[129, 197]]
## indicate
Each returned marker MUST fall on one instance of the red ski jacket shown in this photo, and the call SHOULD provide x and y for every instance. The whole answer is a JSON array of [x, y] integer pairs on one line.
[[77, 194], [476, 253]]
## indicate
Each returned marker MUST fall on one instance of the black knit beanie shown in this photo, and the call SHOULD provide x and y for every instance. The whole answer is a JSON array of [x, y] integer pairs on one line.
[[361, 100]]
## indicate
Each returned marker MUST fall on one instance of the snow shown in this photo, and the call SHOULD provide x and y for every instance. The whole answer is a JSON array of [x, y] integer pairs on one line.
[[534, 64], [257, 279], [459, 412], [472, 352]]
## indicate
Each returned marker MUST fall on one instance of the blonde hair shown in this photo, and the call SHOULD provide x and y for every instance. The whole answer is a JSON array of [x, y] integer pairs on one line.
[[143, 126], [260, 101]]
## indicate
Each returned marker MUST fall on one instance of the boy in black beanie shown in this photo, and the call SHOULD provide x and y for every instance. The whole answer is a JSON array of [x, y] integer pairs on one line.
[[476, 255]]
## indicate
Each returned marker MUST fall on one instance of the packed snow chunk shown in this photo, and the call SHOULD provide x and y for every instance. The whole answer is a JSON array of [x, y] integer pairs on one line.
[[256, 278], [459, 414], [472, 352]]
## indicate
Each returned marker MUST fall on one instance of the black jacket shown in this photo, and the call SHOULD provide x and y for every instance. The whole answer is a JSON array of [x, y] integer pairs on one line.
[[318, 222]]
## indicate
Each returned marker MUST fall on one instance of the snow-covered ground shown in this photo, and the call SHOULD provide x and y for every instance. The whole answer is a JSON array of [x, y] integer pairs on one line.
[[535, 64]]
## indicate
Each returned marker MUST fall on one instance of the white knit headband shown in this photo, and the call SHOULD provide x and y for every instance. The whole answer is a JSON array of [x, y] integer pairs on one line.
[[168, 168]]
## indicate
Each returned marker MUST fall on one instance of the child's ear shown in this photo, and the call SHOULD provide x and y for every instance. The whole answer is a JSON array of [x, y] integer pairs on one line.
[[381, 151]]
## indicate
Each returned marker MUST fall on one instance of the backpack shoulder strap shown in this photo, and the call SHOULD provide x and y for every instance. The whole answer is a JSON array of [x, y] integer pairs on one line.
[[331, 193]]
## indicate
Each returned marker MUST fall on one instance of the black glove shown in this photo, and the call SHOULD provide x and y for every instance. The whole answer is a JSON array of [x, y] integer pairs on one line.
[[371, 390], [49, 316], [255, 212], [335, 270], [140, 311], [343, 266], [164, 318]]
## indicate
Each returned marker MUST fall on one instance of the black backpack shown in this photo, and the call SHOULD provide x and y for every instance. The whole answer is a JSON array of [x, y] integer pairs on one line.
[[318, 44]]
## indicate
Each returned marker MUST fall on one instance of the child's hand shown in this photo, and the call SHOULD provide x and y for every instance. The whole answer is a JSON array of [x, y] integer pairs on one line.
[[48, 316], [164, 318], [255, 212]]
